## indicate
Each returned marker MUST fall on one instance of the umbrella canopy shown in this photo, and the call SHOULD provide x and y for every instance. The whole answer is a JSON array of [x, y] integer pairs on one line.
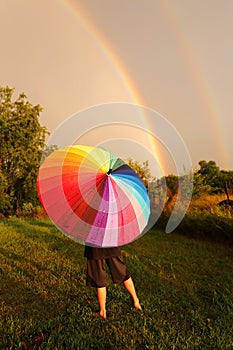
[[93, 196]]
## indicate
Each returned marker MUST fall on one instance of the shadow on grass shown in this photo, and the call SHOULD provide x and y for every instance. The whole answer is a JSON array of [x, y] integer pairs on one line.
[[44, 231]]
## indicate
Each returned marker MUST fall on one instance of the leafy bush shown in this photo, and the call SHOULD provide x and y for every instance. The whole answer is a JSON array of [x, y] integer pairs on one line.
[[29, 210], [212, 224]]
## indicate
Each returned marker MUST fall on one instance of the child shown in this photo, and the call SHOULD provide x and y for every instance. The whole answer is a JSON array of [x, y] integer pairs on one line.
[[96, 274]]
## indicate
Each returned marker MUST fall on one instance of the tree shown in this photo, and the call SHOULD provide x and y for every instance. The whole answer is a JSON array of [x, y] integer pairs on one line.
[[172, 183], [143, 171], [22, 140], [210, 172], [200, 187], [218, 180], [226, 182]]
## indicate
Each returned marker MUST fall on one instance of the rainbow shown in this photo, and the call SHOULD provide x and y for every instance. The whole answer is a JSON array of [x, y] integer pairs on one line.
[[120, 70], [201, 84]]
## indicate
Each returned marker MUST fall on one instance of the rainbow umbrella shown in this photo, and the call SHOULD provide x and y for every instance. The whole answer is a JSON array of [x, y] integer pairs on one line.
[[93, 196]]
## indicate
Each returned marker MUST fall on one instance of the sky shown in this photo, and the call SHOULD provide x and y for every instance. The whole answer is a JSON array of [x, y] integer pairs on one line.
[[172, 56]]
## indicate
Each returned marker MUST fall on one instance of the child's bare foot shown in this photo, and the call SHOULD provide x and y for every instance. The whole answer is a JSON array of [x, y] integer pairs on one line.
[[137, 305], [102, 314]]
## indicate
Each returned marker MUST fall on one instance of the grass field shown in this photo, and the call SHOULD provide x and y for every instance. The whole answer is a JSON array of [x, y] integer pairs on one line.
[[184, 284]]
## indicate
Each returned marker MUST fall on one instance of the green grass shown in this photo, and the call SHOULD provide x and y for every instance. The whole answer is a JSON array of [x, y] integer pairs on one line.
[[184, 285]]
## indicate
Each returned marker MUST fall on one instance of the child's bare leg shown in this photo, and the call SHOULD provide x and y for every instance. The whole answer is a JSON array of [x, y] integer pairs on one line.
[[101, 295], [129, 285]]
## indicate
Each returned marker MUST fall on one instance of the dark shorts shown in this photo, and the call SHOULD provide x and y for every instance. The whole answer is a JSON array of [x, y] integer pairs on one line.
[[96, 271]]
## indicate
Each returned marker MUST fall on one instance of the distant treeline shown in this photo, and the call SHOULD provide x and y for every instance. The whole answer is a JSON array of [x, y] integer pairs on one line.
[[22, 144]]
